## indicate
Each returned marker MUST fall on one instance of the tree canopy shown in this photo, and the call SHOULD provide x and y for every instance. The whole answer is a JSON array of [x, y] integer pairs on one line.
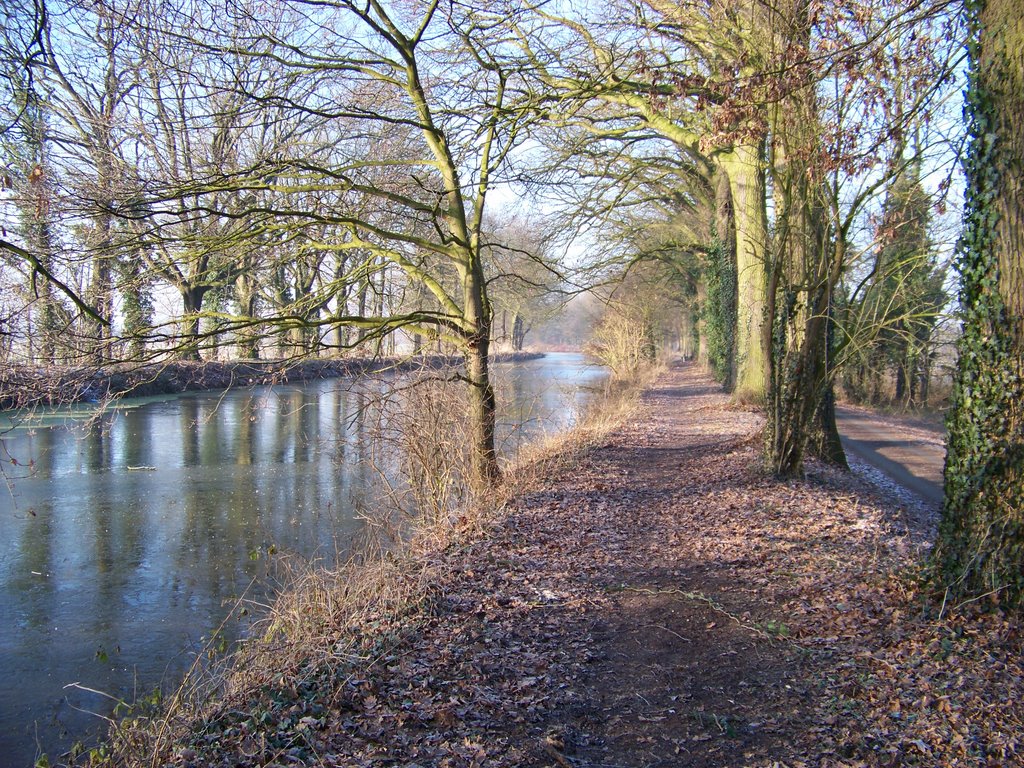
[[310, 177]]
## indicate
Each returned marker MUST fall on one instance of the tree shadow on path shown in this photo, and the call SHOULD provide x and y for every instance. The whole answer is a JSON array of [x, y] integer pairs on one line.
[[698, 556]]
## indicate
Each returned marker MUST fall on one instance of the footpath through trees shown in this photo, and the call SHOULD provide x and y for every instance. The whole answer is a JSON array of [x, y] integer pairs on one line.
[[662, 601]]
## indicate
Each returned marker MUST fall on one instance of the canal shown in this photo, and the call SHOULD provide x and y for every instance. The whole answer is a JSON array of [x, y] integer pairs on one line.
[[128, 535]]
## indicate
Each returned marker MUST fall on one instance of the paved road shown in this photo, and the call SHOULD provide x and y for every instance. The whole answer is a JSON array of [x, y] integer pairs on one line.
[[911, 454]]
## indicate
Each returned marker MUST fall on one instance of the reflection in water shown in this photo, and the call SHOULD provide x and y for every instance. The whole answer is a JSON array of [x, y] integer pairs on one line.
[[140, 527]]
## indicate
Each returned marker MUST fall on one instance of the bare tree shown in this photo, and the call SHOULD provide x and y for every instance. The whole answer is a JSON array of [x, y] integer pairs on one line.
[[790, 93], [30, 171], [439, 76]]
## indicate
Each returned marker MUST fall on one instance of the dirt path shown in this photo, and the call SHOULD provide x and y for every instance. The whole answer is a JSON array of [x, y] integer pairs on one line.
[[661, 602]]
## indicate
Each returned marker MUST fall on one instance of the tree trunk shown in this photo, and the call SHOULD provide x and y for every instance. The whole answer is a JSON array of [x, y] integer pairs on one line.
[[924, 385], [716, 291], [900, 390], [282, 298], [135, 306], [101, 289], [800, 290], [808, 261], [482, 411], [192, 301], [482, 403], [745, 170], [518, 333], [703, 353], [361, 309], [824, 441], [248, 342], [687, 329], [47, 324], [980, 549], [801, 386]]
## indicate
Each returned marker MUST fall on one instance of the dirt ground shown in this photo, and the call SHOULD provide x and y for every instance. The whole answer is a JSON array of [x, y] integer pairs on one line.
[[662, 602]]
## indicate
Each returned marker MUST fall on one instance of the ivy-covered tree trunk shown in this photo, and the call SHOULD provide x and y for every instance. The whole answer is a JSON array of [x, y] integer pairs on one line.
[[716, 293], [136, 306], [101, 286], [47, 332], [824, 441], [980, 549], [703, 348], [808, 258]]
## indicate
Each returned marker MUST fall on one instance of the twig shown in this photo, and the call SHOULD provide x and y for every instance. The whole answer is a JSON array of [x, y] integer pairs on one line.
[[671, 632], [700, 597]]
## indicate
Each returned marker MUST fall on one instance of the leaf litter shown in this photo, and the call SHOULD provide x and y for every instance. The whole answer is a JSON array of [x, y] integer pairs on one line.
[[657, 601]]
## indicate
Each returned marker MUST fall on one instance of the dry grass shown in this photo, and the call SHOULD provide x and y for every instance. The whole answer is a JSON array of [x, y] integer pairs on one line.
[[328, 627], [559, 452]]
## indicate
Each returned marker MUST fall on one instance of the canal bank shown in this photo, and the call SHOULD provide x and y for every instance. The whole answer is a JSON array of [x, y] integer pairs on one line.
[[140, 536], [24, 386], [647, 596]]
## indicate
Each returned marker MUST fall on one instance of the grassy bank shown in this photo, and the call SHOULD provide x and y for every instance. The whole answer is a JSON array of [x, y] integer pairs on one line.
[[23, 386], [332, 631]]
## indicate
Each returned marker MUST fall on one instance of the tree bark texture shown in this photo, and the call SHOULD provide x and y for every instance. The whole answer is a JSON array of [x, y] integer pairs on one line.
[[806, 267], [192, 301], [980, 550], [745, 170]]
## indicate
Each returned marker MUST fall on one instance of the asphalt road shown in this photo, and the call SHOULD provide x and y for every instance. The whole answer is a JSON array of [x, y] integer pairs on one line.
[[912, 455]]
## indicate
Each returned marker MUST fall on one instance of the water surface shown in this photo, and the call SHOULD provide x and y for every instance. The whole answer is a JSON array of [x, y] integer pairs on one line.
[[127, 535]]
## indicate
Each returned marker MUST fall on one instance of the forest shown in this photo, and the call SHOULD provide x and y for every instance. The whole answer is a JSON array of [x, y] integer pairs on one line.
[[811, 200]]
